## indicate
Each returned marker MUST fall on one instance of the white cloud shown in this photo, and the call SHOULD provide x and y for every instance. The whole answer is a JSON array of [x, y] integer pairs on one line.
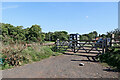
[[10, 7], [86, 16]]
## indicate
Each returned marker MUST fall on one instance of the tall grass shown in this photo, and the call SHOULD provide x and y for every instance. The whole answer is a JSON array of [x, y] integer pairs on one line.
[[36, 53], [20, 54], [12, 55]]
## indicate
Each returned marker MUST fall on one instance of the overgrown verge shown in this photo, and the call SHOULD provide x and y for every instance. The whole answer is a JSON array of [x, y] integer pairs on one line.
[[112, 58], [17, 55], [58, 50]]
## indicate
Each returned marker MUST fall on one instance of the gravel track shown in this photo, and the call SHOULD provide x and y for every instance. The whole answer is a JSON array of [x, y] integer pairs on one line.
[[63, 66]]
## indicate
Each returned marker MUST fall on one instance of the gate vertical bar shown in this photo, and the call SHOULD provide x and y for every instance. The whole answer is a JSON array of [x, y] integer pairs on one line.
[[74, 46], [103, 47], [106, 48], [57, 43]]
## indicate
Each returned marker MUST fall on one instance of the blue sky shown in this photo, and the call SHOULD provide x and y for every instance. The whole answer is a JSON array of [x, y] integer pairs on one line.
[[73, 17]]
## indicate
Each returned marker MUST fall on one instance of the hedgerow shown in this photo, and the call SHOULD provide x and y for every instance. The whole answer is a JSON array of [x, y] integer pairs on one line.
[[112, 58]]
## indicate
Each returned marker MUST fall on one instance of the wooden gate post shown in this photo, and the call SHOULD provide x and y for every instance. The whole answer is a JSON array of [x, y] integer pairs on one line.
[[112, 39]]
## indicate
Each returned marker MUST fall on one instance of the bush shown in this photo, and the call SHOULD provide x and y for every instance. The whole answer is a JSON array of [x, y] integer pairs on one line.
[[112, 58]]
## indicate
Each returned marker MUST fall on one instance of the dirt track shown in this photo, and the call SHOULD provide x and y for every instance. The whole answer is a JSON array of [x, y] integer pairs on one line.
[[63, 66]]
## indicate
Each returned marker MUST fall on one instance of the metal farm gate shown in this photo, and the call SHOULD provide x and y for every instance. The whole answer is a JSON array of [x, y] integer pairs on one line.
[[88, 46]]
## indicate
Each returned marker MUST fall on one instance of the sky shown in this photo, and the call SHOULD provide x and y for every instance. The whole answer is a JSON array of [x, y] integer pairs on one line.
[[73, 17]]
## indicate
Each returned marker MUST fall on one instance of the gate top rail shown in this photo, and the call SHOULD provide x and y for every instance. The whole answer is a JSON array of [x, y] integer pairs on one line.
[[78, 40]]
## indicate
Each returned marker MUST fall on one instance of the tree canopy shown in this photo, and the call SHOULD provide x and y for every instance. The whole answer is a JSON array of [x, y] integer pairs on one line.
[[18, 33], [34, 33]]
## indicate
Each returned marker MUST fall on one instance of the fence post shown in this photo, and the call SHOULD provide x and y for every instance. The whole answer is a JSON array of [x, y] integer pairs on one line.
[[113, 36]]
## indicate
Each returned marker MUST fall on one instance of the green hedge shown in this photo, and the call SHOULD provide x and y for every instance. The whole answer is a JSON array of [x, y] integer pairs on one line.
[[112, 58]]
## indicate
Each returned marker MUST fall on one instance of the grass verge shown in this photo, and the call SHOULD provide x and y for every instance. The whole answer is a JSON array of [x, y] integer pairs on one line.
[[17, 57]]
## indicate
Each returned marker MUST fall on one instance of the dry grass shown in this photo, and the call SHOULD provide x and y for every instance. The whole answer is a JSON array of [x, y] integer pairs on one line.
[[11, 54]]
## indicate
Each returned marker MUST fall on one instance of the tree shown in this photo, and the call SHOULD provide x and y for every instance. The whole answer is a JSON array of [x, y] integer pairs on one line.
[[35, 33], [6, 29], [103, 35], [116, 32], [43, 36], [89, 36], [62, 35], [84, 38], [18, 33], [27, 33], [95, 33]]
